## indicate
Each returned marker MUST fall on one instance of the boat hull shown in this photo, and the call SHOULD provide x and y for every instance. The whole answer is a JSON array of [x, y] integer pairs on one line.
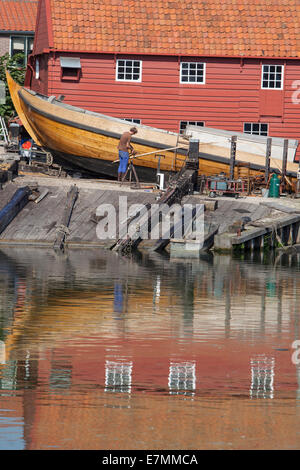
[[90, 140], [104, 168]]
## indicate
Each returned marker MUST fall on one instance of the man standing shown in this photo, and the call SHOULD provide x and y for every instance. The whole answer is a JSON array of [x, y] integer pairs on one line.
[[124, 148]]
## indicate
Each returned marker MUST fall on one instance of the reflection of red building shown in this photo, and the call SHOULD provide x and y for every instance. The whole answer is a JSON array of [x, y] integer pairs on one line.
[[172, 369], [232, 66], [144, 410]]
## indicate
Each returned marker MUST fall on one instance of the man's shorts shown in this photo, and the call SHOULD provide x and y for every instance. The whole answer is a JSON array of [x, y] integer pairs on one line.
[[123, 157]]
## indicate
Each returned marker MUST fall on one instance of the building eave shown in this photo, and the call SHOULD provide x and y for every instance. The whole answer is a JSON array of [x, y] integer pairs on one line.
[[152, 54], [5, 31]]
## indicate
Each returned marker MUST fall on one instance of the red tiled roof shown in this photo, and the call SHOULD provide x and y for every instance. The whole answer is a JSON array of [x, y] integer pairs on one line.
[[269, 28], [18, 15]]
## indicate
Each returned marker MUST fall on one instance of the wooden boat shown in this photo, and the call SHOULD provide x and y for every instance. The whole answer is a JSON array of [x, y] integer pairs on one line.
[[89, 140]]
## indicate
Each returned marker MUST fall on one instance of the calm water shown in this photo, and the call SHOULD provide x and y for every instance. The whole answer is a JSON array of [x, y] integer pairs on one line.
[[103, 352]]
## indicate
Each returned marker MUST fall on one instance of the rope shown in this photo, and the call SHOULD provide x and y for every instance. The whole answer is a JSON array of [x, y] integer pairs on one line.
[[62, 229]]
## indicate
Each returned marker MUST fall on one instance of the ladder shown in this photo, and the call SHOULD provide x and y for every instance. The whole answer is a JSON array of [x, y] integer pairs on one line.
[[182, 142], [3, 131]]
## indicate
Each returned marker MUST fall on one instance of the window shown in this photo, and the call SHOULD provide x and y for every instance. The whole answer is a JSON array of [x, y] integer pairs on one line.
[[192, 72], [184, 124], [21, 45], [272, 76], [70, 68], [135, 121], [129, 70], [37, 69], [256, 128]]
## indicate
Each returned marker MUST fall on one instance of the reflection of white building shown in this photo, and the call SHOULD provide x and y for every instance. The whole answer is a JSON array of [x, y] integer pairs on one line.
[[262, 377], [182, 378], [156, 292], [118, 376]]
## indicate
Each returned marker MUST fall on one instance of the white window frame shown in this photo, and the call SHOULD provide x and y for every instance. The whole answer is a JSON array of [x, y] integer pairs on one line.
[[192, 83], [259, 125], [268, 80], [190, 123], [127, 79]]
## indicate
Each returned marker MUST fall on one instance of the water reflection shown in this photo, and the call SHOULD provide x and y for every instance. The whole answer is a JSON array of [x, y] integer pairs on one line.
[[2, 352], [118, 376], [262, 377], [182, 378], [87, 323]]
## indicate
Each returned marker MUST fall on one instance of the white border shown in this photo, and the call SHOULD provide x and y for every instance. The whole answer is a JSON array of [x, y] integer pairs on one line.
[[193, 83], [129, 81], [282, 77]]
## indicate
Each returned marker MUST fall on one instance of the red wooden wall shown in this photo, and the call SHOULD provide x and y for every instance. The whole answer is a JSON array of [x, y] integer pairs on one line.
[[231, 94]]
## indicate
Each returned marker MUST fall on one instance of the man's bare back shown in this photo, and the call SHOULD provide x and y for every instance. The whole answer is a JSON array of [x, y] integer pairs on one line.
[[124, 143]]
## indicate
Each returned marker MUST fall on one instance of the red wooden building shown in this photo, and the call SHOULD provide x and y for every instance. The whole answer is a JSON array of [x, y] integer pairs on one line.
[[229, 64]]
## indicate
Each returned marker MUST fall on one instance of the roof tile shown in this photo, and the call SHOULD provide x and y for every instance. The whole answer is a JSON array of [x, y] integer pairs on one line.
[[191, 27], [18, 15]]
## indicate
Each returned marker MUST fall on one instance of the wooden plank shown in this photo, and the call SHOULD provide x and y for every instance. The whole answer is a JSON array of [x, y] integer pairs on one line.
[[65, 220], [280, 207], [16, 204], [33, 223]]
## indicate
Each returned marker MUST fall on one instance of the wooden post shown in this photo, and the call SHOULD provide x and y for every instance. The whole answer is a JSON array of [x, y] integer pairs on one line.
[[194, 150], [15, 205], [268, 156], [232, 156], [298, 180], [62, 229], [192, 162], [284, 159]]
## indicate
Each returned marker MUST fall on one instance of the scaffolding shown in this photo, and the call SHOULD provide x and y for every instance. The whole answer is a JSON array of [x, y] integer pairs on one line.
[[3, 131]]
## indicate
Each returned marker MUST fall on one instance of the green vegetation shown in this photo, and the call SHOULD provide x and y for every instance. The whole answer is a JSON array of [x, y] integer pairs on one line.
[[17, 71]]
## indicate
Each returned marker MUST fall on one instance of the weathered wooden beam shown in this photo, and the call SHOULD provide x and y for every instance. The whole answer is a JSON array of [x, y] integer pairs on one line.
[[232, 156], [268, 156], [62, 229], [15, 205], [280, 207], [284, 159]]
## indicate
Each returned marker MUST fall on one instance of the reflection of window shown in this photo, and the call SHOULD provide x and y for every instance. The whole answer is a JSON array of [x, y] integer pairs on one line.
[[8, 376], [262, 377], [21, 45], [60, 377], [156, 291], [182, 377], [118, 376]]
